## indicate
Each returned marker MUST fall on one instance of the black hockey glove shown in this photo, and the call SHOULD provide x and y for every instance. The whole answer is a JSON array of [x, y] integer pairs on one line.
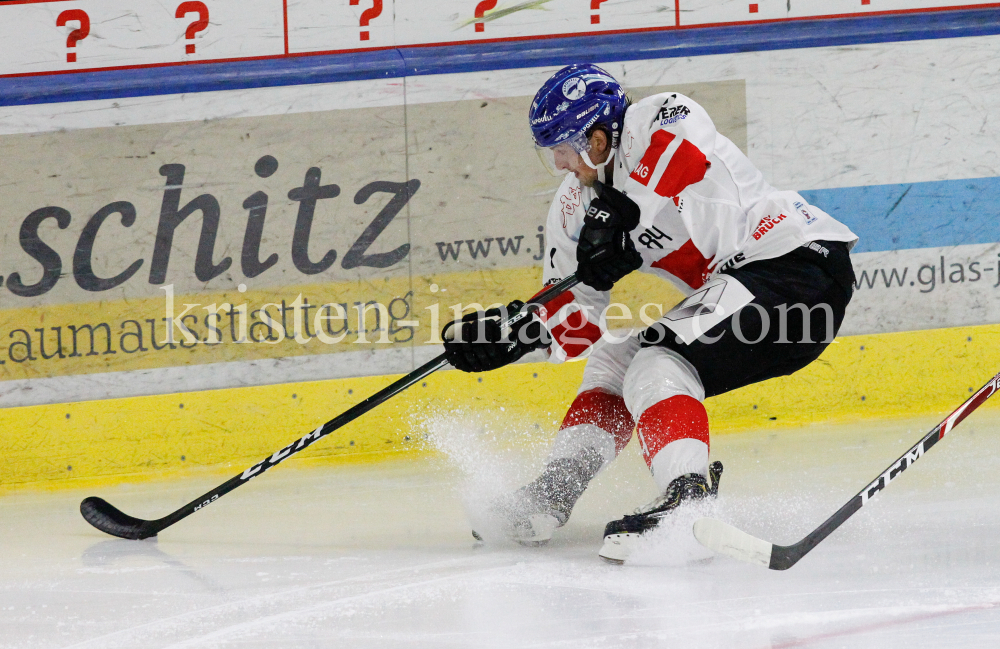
[[605, 252], [476, 344]]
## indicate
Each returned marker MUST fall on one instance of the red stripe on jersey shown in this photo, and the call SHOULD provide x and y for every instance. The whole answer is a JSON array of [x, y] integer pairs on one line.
[[575, 334], [606, 411], [687, 167], [552, 306], [679, 417], [687, 264], [657, 145]]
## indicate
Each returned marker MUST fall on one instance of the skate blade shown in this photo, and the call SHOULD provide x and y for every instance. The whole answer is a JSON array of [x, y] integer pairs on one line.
[[532, 544], [524, 542], [617, 548]]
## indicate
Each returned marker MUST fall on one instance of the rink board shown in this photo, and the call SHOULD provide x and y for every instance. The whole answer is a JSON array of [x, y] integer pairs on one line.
[[92, 326], [426, 166]]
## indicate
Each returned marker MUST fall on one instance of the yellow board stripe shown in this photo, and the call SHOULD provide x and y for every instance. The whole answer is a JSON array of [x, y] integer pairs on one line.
[[882, 375]]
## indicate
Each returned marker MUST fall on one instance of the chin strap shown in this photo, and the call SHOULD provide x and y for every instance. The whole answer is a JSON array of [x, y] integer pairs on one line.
[[601, 168]]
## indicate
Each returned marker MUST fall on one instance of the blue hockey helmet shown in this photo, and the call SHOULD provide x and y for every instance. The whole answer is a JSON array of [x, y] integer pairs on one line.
[[572, 102]]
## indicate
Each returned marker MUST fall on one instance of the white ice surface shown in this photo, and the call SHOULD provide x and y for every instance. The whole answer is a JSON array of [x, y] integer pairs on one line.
[[381, 555]]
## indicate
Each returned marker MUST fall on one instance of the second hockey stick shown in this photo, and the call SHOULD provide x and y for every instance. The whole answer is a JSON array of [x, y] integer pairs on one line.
[[726, 539], [108, 518]]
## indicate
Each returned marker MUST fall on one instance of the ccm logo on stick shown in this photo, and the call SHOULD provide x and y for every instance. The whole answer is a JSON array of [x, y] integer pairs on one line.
[[282, 454], [207, 502], [901, 465]]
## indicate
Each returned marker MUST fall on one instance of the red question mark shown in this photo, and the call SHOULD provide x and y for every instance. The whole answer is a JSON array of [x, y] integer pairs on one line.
[[595, 5], [77, 35], [481, 10], [199, 25], [368, 14]]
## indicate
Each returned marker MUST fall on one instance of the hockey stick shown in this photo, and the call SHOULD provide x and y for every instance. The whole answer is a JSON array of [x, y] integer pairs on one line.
[[108, 518], [726, 539]]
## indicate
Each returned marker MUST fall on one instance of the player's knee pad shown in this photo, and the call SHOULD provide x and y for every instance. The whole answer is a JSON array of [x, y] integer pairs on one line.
[[656, 374], [597, 419]]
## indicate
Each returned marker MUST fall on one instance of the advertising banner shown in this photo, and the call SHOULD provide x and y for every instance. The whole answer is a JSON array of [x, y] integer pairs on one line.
[[159, 245]]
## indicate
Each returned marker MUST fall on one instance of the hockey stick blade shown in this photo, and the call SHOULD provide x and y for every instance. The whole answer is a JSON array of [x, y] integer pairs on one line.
[[725, 539], [111, 520]]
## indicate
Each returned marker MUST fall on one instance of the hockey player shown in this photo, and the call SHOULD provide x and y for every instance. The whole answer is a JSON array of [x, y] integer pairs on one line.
[[652, 186]]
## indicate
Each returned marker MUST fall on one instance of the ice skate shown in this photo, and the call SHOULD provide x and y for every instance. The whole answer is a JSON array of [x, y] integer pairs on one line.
[[620, 535], [534, 512]]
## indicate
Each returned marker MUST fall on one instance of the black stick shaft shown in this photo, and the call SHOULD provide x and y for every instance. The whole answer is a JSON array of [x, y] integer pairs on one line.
[[302, 443], [785, 556], [151, 528]]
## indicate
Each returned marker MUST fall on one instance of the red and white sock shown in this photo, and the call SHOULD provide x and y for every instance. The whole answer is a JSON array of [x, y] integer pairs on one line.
[[675, 439], [597, 419]]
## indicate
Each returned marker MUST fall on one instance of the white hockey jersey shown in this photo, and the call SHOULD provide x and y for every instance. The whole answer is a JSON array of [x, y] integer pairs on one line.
[[704, 207]]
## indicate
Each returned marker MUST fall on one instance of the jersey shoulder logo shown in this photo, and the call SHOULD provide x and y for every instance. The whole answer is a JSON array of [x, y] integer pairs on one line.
[[672, 114]]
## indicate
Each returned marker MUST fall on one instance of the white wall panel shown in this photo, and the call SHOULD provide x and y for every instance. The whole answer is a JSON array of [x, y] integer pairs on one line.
[[141, 32], [321, 26], [147, 32]]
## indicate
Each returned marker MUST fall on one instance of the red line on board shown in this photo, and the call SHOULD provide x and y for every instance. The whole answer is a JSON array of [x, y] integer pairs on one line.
[[858, 14], [639, 30], [31, 2], [490, 40], [284, 11]]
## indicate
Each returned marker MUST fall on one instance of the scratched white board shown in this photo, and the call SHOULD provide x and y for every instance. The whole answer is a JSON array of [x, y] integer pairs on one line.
[[109, 33], [39, 36]]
